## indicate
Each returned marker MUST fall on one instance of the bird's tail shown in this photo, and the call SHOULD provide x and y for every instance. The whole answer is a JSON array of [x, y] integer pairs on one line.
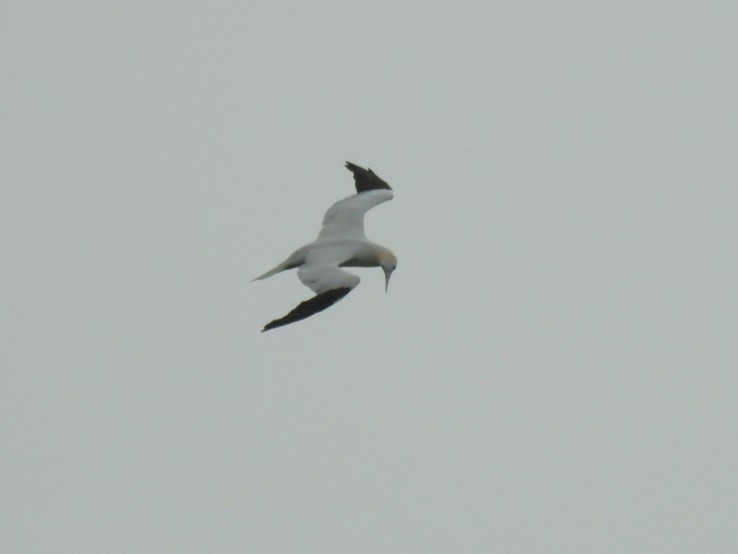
[[296, 259], [273, 271]]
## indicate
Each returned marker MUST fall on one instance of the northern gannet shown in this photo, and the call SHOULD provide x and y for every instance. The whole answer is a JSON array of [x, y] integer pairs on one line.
[[341, 243]]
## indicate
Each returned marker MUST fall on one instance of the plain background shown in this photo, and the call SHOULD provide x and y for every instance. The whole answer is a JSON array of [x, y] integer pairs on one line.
[[553, 368]]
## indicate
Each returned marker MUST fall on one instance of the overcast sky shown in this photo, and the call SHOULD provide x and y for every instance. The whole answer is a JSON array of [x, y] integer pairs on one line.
[[553, 369]]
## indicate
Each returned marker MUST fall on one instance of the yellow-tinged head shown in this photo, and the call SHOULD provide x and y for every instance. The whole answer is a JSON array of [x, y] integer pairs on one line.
[[388, 263]]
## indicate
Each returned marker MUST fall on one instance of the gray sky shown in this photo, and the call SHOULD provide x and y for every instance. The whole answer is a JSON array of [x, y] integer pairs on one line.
[[553, 368]]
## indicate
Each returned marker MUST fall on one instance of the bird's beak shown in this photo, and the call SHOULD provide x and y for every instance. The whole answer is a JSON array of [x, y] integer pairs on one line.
[[387, 275]]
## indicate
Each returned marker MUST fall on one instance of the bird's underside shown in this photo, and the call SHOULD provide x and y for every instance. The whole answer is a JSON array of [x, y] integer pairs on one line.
[[341, 242]]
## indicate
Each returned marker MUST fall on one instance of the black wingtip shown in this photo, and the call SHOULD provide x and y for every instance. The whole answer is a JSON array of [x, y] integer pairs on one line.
[[366, 179], [316, 304]]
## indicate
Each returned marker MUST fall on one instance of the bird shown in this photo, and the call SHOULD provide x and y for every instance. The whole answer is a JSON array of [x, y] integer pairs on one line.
[[340, 243]]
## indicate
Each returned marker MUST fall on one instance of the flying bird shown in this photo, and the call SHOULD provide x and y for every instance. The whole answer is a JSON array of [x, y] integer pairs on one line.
[[341, 243]]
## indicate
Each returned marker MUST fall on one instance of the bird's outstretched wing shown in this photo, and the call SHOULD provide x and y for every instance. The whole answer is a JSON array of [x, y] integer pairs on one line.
[[329, 282], [366, 179], [345, 218], [316, 304]]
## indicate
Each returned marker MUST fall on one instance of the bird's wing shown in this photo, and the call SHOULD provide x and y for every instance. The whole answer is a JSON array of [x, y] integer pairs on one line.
[[329, 282], [345, 218], [322, 276], [366, 179]]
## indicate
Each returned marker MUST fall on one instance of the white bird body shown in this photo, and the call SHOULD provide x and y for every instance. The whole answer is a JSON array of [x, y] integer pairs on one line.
[[340, 243]]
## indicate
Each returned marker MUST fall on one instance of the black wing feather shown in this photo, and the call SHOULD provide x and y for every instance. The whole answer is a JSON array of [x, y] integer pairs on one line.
[[366, 179], [316, 304]]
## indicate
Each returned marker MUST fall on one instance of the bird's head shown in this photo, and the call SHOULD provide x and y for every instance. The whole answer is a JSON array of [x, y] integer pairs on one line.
[[388, 263]]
